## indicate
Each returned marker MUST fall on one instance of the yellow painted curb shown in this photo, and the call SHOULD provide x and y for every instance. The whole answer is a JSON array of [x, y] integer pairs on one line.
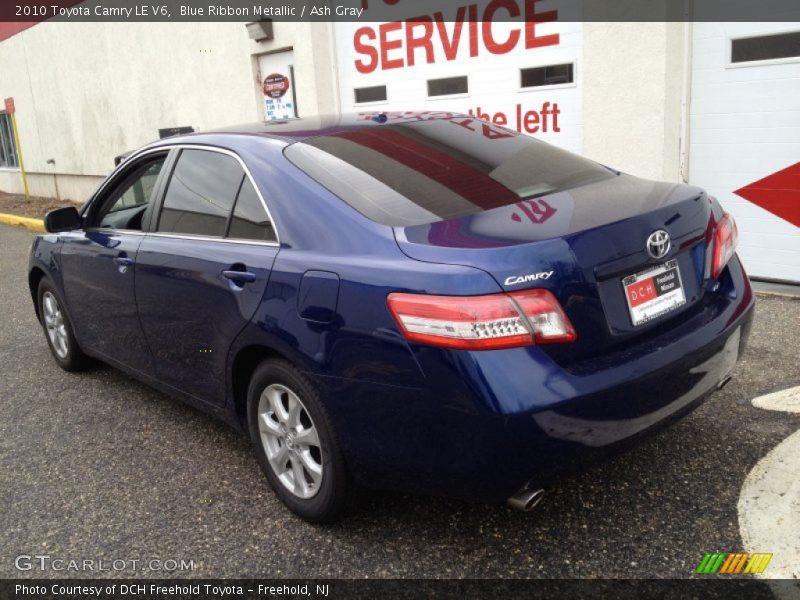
[[36, 225]]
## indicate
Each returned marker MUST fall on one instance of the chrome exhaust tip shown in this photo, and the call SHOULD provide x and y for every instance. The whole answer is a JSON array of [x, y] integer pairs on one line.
[[526, 499]]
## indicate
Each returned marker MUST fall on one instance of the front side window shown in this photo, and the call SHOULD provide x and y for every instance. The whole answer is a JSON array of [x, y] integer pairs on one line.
[[201, 193], [124, 208]]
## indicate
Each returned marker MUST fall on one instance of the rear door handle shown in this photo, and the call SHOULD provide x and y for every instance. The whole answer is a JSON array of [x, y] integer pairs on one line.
[[240, 276]]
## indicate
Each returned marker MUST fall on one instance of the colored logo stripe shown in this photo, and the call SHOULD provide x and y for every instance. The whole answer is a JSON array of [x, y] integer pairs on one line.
[[733, 563], [711, 562], [758, 562]]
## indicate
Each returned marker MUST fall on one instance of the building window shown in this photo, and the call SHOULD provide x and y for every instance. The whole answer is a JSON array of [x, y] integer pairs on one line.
[[8, 149], [766, 47], [448, 86], [376, 93], [547, 75]]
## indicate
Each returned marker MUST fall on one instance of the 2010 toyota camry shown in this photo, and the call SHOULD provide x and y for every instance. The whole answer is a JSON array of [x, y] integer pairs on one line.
[[421, 302]]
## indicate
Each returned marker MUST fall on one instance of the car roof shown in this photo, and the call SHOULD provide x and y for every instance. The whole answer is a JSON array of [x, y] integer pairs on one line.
[[293, 130]]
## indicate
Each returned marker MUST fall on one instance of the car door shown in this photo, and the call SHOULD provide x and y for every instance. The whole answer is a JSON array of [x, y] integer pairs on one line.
[[98, 264], [202, 270]]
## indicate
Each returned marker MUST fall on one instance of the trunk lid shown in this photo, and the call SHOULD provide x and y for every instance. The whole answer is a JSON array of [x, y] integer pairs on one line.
[[580, 244]]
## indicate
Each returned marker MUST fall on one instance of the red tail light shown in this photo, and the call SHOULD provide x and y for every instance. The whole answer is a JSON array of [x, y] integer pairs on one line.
[[482, 322], [726, 237]]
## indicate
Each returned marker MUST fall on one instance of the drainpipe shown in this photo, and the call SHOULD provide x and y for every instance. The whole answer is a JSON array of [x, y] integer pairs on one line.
[[52, 161], [686, 99], [334, 67]]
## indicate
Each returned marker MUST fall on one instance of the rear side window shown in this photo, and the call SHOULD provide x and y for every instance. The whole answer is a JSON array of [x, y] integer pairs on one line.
[[250, 221], [201, 193], [420, 172]]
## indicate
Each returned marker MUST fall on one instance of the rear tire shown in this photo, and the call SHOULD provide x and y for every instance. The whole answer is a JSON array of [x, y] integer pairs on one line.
[[58, 329], [296, 445]]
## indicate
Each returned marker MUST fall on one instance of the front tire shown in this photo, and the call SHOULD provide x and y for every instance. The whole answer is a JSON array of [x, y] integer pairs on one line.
[[296, 444], [58, 329]]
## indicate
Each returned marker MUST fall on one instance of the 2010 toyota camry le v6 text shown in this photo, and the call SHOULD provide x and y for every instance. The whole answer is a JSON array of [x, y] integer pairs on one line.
[[421, 302]]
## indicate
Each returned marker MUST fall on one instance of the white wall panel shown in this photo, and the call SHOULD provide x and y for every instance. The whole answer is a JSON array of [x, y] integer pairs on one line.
[[745, 125]]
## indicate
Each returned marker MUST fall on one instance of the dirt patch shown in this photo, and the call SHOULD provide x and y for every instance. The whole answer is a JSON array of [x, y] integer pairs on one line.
[[34, 207]]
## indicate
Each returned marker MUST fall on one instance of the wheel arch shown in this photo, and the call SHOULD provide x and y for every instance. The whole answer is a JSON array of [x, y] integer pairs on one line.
[[35, 277], [244, 363]]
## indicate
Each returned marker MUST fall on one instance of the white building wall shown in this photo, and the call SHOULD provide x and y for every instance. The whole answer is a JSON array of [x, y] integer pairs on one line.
[[96, 90], [745, 126], [624, 109], [494, 79], [633, 83], [86, 92]]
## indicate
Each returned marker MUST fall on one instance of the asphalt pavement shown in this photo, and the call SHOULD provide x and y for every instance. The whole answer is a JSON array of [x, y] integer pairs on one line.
[[99, 466]]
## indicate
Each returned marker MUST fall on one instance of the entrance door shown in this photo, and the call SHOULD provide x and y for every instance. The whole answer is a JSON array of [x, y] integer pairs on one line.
[[277, 86]]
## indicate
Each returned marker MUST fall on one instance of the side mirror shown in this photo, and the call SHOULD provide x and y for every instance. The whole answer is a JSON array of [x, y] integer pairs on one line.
[[62, 219]]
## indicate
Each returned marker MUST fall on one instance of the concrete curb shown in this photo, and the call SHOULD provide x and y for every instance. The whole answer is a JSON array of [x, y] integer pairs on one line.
[[769, 510], [785, 400], [36, 225]]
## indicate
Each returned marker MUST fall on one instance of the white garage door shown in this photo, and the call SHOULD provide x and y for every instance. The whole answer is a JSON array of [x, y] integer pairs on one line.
[[745, 136], [526, 78]]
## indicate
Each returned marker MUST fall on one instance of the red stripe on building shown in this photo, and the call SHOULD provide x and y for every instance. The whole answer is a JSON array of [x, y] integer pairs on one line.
[[11, 24], [9, 29]]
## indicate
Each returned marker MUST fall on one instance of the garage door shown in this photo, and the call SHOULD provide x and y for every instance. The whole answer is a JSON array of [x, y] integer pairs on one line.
[[745, 136], [525, 77]]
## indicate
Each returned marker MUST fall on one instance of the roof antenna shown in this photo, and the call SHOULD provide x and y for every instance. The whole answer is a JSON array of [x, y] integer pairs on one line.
[[380, 118]]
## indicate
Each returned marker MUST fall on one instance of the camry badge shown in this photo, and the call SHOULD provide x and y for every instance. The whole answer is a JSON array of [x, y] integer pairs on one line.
[[514, 279], [658, 244]]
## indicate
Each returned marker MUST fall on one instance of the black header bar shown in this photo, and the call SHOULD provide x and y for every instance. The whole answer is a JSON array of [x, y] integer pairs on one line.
[[401, 10]]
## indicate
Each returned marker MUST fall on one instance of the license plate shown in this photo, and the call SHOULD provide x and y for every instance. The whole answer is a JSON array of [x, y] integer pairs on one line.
[[654, 292]]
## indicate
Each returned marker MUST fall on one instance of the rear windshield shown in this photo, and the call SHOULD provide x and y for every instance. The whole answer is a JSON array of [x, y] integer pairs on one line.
[[418, 173]]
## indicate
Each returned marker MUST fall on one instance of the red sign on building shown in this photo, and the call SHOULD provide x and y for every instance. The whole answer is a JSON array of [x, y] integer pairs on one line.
[[276, 85]]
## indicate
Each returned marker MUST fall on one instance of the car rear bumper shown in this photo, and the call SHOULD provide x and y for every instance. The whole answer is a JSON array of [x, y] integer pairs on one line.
[[473, 434]]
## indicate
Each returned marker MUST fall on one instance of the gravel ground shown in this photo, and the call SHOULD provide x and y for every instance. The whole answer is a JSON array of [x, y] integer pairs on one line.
[[98, 465], [34, 207]]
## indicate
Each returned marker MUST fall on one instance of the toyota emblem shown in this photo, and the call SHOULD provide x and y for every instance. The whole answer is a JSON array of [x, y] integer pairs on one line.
[[658, 244]]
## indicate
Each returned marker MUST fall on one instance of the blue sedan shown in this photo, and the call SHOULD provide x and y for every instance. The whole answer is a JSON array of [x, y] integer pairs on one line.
[[421, 302]]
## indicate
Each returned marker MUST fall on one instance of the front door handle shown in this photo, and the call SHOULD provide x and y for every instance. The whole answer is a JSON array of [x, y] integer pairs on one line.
[[123, 262], [239, 276]]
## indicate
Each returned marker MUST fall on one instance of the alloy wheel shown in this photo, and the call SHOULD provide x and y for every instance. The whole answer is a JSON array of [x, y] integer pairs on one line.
[[56, 327], [290, 441]]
